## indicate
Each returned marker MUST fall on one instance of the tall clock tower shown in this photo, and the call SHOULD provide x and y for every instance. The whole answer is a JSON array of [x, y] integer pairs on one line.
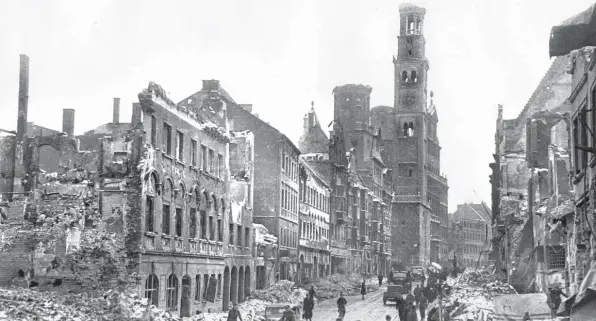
[[411, 218]]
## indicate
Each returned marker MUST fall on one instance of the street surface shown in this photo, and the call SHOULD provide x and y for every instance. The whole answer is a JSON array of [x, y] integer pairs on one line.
[[369, 309]]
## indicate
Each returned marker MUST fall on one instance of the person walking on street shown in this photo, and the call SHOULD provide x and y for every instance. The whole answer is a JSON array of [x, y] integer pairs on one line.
[[312, 292], [363, 289], [401, 309], [341, 305], [422, 306], [380, 279], [308, 306], [234, 314], [288, 315]]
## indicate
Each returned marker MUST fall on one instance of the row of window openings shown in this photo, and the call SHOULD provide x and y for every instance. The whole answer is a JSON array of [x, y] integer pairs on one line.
[[312, 197], [312, 232], [475, 236], [339, 232], [172, 288], [289, 198], [207, 158], [288, 238], [409, 77], [289, 167], [193, 231]]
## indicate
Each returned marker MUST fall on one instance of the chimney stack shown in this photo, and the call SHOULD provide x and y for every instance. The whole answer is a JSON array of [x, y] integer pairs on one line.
[[23, 97], [116, 115], [247, 107], [209, 85], [137, 113], [68, 120]]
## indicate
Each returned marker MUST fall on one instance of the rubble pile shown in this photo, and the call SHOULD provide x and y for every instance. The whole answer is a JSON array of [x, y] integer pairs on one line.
[[280, 292], [330, 287], [24, 304], [470, 295]]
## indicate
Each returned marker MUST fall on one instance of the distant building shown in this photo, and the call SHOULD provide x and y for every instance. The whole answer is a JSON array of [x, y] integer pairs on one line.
[[473, 222], [276, 198]]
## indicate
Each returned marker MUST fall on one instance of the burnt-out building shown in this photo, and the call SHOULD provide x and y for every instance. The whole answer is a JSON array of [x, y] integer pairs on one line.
[[276, 198]]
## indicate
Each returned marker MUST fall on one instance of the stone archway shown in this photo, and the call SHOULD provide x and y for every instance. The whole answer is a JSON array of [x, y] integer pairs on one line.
[[241, 284], [247, 281], [234, 286], [226, 289], [185, 301]]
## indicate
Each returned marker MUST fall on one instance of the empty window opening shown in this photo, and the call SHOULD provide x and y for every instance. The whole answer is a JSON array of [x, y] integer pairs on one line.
[[411, 27], [410, 172], [406, 129], [414, 76], [418, 25], [409, 53], [411, 130], [21, 274], [404, 76]]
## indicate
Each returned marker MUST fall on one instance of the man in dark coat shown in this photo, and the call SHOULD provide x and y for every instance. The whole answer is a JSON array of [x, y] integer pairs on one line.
[[308, 306], [234, 314], [401, 308], [380, 279], [341, 305]]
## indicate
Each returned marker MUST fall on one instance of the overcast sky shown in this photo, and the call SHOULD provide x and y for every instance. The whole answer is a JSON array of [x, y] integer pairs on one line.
[[280, 56]]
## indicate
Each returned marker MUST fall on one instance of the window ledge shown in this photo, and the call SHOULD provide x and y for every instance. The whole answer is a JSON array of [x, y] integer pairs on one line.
[[165, 236], [180, 162], [194, 240], [166, 155], [149, 233], [178, 238]]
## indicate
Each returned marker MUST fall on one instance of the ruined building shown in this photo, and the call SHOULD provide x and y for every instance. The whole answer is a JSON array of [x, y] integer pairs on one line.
[[530, 181], [276, 198], [410, 147], [163, 204]]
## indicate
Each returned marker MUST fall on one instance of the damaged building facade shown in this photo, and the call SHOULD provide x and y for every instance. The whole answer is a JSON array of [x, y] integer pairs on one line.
[[170, 195], [473, 223], [530, 182]]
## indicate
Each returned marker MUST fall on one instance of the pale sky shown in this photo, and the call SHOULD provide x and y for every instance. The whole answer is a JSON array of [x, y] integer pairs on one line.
[[280, 56]]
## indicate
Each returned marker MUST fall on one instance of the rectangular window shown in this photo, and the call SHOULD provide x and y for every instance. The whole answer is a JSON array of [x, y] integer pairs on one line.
[[180, 146], [247, 237], [211, 168], [165, 222], [221, 165], [231, 232], [203, 225], [167, 138], [178, 221], [219, 231], [204, 158], [149, 214], [193, 152], [198, 287], [239, 236], [211, 229], [193, 222], [153, 131]]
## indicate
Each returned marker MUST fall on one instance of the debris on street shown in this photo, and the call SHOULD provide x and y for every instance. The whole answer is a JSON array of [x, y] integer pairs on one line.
[[281, 292], [330, 286], [470, 295], [25, 304]]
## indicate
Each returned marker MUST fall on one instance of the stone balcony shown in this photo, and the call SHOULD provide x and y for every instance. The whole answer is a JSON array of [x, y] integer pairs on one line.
[[176, 245]]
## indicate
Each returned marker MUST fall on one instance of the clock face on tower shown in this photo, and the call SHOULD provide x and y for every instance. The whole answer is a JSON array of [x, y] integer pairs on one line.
[[409, 100]]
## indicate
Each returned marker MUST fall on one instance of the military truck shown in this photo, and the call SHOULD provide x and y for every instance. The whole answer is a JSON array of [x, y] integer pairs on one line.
[[399, 284]]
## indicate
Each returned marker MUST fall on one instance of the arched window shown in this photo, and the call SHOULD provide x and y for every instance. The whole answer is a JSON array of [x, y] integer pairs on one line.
[[410, 172], [414, 76], [411, 130], [418, 25], [198, 287], [222, 203], [152, 289], [411, 26], [167, 198], [172, 292], [214, 200], [404, 76], [406, 129], [207, 200]]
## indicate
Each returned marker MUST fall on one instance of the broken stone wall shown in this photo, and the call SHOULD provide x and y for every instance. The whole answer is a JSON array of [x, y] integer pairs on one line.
[[7, 144]]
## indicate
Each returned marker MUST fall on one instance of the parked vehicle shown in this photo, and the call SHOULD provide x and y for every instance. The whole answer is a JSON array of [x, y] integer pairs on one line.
[[399, 285], [274, 312]]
